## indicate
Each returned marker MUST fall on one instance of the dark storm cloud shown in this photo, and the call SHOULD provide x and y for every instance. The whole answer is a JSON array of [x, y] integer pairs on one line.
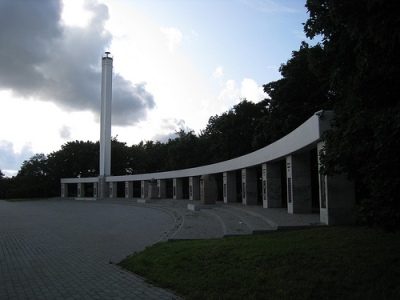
[[26, 34], [128, 98], [44, 59]]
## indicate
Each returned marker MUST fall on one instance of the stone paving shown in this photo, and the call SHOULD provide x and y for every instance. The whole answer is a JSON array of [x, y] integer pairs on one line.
[[67, 249]]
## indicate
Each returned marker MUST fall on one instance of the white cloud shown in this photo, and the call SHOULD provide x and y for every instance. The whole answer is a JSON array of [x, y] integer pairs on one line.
[[219, 72], [174, 37], [65, 132], [232, 94], [250, 90], [75, 13], [229, 95]]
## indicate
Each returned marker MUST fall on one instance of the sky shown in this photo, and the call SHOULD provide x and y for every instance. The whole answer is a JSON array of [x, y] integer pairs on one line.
[[176, 64]]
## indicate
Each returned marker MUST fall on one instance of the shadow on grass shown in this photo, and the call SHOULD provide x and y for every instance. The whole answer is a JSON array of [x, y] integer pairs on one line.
[[317, 263]]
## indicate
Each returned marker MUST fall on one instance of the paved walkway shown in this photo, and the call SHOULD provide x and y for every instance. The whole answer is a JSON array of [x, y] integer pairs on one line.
[[67, 249]]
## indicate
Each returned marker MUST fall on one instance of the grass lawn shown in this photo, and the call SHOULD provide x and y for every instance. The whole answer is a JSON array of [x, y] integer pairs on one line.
[[317, 263]]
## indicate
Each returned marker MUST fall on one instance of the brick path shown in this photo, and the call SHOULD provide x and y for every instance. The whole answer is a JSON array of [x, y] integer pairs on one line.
[[67, 249], [64, 249]]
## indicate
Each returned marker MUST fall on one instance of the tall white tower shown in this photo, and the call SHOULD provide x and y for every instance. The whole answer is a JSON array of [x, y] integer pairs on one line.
[[105, 118]]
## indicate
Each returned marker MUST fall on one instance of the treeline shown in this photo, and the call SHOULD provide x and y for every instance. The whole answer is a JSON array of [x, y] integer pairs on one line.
[[355, 70]]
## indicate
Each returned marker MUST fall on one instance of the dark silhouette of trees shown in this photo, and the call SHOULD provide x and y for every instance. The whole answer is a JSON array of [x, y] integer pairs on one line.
[[31, 180], [147, 157], [75, 159], [361, 41], [231, 134], [2, 183], [295, 97]]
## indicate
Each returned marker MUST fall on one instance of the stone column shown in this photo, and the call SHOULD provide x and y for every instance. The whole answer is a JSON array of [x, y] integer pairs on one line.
[[336, 198], [152, 189], [299, 183], [249, 186], [80, 190], [177, 188], [102, 190], [144, 189], [95, 191], [64, 190], [208, 189], [229, 187], [128, 189], [162, 188], [112, 188], [194, 188], [271, 185]]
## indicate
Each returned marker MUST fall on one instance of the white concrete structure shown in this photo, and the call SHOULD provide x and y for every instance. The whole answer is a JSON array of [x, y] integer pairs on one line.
[[162, 188], [105, 122], [264, 180], [229, 187], [194, 185], [105, 118]]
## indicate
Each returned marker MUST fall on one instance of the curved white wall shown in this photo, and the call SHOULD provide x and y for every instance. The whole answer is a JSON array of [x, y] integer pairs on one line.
[[305, 137]]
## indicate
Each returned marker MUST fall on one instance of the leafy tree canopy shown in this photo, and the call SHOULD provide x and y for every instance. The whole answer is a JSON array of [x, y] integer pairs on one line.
[[361, 41]]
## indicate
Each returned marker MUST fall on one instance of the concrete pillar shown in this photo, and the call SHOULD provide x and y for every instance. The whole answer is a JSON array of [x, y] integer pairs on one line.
[[194, 188], [80, 191], [144, 189], [208, 189], [271, 185], [95, 191], [128, 189], [64, 189], [152, 189], [162, 188], [102, 189], [105, 115], [229, 187], [249, 186], [177, 188], [112, 189], [298, 173], [336, 198]]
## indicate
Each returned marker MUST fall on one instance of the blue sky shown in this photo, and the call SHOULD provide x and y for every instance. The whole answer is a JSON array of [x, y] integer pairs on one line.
[[176, 63], [248, 38]]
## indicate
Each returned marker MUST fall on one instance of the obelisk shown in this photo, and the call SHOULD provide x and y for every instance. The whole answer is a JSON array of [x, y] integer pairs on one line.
[[105, 123]]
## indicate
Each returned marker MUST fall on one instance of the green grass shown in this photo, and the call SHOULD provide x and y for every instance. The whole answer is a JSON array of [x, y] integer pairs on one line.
[[318, 263]]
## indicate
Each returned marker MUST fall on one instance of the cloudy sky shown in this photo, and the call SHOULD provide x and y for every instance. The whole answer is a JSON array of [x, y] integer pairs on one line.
[[176, 63]]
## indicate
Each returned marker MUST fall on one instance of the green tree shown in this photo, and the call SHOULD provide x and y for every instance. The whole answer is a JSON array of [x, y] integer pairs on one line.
[[75, 159], [361, 41], [231, 134], [183, 152], [120, 159], [32, 178], [2, 190], [147, 157], [295, 97]]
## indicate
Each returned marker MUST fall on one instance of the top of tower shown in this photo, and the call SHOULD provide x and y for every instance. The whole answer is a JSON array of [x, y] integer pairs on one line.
[[107, 55]]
